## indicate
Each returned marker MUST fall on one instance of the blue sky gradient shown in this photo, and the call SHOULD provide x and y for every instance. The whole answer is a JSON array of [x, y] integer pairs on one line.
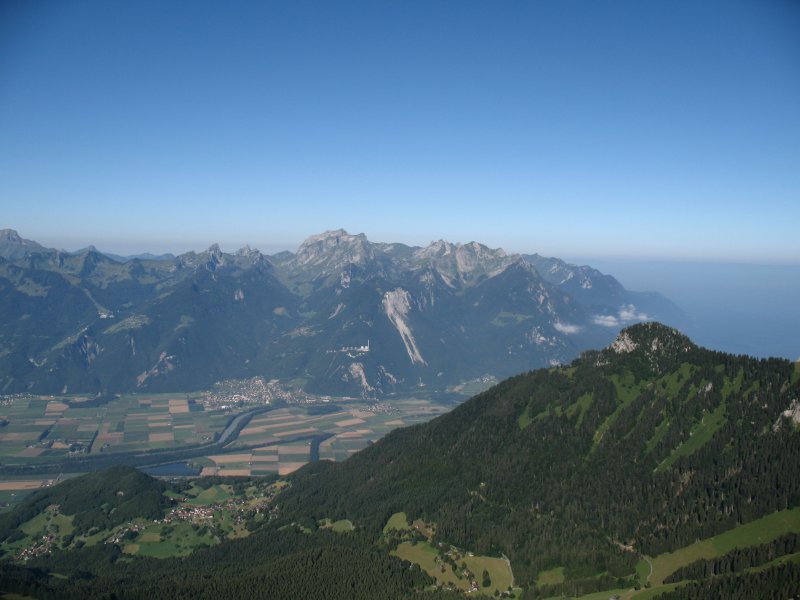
[[622, 129]]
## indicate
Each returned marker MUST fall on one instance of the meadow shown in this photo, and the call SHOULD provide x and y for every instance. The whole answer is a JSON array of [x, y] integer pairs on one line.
[[448, 565]]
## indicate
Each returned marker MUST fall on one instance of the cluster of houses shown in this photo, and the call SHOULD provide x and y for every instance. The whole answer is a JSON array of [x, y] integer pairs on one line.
[[242, 509], [41, 547], [351, 349], [255, 391]]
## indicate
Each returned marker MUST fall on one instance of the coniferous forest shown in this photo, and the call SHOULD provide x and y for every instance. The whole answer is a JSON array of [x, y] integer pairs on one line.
[[628, 453]]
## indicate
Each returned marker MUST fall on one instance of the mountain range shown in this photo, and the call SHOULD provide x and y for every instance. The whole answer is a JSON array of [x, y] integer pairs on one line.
[[340, 316]]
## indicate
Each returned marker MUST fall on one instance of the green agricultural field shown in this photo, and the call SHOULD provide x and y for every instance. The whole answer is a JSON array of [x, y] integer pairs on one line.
[[49, 429]]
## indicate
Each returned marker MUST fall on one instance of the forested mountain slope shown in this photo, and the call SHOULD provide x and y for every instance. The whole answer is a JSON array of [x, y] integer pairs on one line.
[[614, 472], [638, 449]]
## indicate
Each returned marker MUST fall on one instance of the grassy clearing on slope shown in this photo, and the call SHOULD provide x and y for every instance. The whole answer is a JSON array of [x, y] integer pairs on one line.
[[658, 435], [732, 386], [340, 526], [498, 569], [48, 521], [647, 594], [604, 595], [398, 522], [343, 525], [643, 570], [581, 404], [551, 576], [757, 532], [672, 383], [430, 560], [425, 555], [627, 391], [525, 418], [161, 541], [212, 495], [788, 558], [701, 433]]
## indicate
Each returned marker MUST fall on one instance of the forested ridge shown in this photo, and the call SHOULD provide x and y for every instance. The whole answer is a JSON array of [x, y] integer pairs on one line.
[[102, 500], [641, 448], [636, 450]]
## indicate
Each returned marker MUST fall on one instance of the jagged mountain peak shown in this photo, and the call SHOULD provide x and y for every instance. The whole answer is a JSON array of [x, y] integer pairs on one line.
[[12, 246], [246, 250], [9, 235], [332, 238], [89, 248], [463, 261], [442, 248], [334, 248], [215, 257]]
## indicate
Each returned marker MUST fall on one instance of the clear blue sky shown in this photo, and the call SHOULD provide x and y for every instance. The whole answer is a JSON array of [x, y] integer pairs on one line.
[[666, 129]]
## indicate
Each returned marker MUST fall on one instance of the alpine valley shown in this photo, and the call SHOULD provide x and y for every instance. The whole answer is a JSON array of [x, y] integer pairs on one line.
[[652, 468], [341, 316]]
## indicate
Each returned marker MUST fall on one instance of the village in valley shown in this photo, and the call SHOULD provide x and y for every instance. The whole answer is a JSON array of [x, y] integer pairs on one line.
[[205, 513]]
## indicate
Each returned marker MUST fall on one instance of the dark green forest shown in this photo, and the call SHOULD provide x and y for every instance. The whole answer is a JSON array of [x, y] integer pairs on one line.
[[639, 449]]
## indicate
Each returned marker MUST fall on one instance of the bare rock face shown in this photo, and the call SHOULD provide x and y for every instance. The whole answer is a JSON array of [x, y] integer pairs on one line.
[[333, 249], [790, 415]]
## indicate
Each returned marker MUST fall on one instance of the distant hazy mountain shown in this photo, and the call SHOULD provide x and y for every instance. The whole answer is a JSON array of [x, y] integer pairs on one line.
[[143, 256], [342, 315], [12, 246]]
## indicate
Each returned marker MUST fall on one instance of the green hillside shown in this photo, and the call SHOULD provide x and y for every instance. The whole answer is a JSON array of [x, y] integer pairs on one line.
[[651, 467], [640, 449]]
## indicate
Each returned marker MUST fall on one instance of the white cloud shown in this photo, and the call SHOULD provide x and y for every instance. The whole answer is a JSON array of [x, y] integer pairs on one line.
[[606, 320], [566, 327], [627, 313]]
